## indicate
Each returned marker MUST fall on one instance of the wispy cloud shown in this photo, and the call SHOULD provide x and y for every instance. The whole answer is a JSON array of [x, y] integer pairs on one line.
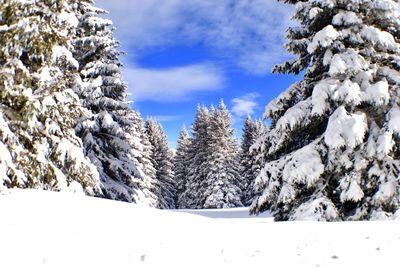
[[248, 33], [244, 105], [172, 84], [166, 118]]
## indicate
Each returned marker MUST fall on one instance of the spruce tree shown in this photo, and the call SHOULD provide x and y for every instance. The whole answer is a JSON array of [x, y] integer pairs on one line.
[[196, 158], [110, 129], [181, 166], [213, 179], [250, 161], [162, 158], [143, 154], [222, 182], [333, 149], [38, 108]]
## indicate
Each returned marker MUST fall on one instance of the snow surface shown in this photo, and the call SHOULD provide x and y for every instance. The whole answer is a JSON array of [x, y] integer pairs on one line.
[[62, 229]]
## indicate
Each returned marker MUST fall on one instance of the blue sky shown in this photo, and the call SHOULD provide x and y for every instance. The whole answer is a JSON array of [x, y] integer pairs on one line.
[[182, 53]]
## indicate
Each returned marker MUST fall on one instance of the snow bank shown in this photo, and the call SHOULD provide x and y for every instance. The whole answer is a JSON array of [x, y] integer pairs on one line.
[[63, 229]]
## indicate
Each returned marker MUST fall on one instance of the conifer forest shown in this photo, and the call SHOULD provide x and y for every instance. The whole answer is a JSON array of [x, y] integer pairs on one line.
[[326, 149]]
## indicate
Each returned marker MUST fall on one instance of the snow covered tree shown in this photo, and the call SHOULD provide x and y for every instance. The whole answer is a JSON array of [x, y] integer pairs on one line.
[[162, 158], [213, 178], [333, 148], [143, 154], [140, 158], [250, 160], [38, 108], [196, 159], [111, 131], [181, 165], [222, 181]]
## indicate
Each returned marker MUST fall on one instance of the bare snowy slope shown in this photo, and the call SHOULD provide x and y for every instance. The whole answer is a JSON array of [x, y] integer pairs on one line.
[[58, 229]]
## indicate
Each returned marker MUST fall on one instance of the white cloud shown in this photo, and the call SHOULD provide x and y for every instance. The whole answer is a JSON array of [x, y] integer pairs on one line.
[[244, 105], [172, 84], [144, 22], [246, 33], [166, 118]]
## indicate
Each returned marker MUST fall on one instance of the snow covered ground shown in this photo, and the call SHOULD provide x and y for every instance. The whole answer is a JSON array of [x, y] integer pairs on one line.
[[61, 229]]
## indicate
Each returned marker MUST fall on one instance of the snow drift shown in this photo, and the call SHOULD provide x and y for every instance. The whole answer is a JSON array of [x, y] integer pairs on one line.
[[63, 229]]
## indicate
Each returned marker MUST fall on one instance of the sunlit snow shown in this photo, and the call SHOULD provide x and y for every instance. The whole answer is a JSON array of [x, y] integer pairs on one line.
[[63, 229]]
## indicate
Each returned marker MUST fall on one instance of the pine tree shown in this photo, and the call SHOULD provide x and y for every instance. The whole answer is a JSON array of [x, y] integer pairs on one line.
[[213, 179], [181, 166], [38, 108], [111, 131], [333, 149], [222, 184], [162, 158], [143, 153], [139, 156], [250, 161], [196, 158]]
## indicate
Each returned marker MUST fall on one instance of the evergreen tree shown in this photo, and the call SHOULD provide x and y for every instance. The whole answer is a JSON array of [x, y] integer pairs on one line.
[[139, 155], [144, 155], [222, 184], [213, 178], [181, 167], [38, 108], [111, 131], [333, 149], [196, 158], [250, 161], [162, 158]]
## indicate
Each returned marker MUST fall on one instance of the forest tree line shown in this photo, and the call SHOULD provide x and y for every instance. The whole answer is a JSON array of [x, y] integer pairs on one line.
[[330, 153]]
